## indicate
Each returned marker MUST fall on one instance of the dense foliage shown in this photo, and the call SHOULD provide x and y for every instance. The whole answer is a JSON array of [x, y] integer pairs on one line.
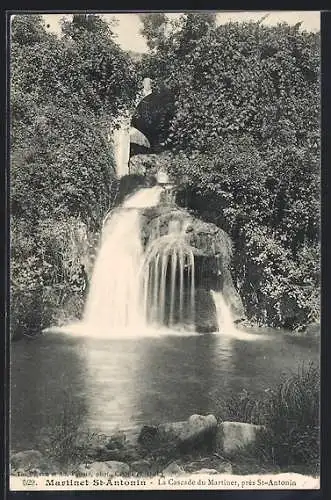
[[66, 93], [246, 130], [290, 414], [245, 134]]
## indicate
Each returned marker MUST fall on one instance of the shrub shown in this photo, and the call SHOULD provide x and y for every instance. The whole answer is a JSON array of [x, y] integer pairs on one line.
[[47, 284], [291, 416], [246, 130]]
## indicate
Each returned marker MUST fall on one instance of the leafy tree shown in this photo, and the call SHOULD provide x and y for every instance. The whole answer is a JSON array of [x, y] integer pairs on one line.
[[154, 27], [102, 76], [246, 136], [66, 94]]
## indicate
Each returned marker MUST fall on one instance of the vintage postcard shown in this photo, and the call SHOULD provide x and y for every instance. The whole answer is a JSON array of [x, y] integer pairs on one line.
[[164, 250]]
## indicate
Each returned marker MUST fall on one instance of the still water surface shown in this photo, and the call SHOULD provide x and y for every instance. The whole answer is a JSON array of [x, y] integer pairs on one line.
[[106, 384]]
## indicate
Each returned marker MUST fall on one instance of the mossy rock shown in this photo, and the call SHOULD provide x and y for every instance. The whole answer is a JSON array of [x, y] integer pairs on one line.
[[205, 238]]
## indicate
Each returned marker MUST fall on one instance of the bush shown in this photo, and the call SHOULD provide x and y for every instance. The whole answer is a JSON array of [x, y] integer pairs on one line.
[[291, 416], [66, 95], [278, 289], [48, 283], [246, 130]]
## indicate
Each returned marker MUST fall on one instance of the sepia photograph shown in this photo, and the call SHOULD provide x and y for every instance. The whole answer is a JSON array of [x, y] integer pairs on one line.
[[165, 199]]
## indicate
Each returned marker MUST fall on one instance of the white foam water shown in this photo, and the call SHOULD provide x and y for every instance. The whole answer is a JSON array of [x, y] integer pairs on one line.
[[114, 299], [225, 322], [84, 329], [128, 291]]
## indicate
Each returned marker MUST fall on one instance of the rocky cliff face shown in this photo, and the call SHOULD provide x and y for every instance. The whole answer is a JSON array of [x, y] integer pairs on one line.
[[212, 249], [211, 246], [150, 164]]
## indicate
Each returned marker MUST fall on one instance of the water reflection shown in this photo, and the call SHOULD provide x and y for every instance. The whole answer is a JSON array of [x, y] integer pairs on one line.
[[47, 388], [112, 368], [175, 378], [105, 384]]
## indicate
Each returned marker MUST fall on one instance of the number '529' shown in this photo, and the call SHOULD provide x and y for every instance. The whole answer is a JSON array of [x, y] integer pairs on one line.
[[29, 482]]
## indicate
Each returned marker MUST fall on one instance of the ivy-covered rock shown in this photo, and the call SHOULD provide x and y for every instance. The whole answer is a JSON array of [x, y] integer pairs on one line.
[[205, 238], [151, 164], [246, 131]]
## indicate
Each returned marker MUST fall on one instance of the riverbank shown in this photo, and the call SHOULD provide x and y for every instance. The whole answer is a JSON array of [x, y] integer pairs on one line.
[[278, 433], [231, 448]]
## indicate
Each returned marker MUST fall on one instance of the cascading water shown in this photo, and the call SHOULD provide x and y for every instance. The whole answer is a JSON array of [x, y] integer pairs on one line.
[[169, 279], [226, 325], [133, 292], [113, 303], [224, 317], [138, 292]]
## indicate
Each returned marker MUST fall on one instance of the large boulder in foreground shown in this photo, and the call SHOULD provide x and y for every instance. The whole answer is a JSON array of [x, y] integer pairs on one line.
[[233, 436], [197, 431]]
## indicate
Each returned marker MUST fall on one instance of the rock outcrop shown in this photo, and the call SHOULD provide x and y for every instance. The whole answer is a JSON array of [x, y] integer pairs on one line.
[[212, 249], [206, 239], [197, 431], [211, 246], [233, 436], [150, 164]]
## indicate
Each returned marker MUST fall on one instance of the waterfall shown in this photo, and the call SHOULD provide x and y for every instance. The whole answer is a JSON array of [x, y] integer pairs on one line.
[[224, 317], [169, 278], [121, 146], [133, 291], [113, 303], [139, 290]]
